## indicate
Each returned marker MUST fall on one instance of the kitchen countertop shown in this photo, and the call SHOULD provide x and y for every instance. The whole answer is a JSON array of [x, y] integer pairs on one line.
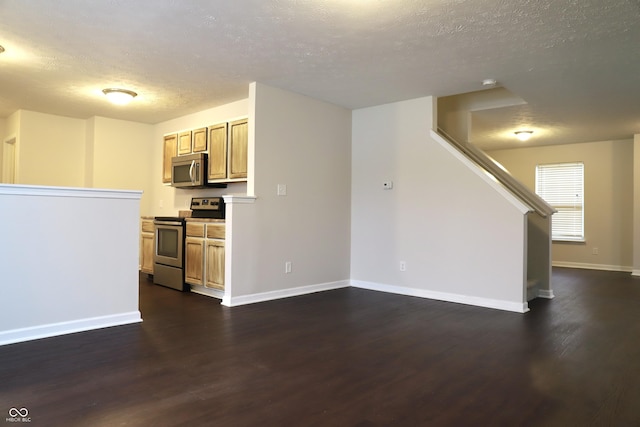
[[188, 219], [221, 221]]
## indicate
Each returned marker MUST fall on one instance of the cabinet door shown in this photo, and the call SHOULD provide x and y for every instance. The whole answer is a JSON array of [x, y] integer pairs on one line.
[[170, 150], [215, 264], [146, 261], [184, 143], [199, 140], [238, 143], [218, 151], [193, 260]]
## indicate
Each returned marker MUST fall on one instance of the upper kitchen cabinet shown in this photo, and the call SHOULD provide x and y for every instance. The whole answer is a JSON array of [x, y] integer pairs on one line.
[[184, 143], [226, 145], [199, 139], [218, 151], [170, 151], [237, 151]]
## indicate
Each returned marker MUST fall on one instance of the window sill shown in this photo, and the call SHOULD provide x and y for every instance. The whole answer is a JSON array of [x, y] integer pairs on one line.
[[576, 241]]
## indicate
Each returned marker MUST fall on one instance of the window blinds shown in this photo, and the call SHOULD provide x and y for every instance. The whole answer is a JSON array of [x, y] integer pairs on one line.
[[562, 186]]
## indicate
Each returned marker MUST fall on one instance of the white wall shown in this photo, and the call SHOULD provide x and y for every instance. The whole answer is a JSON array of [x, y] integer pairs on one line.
[[636, 205], [461, 240], [608, 198], [11, 131], [121, 157], [304, 144], [167, 200], [68, 260], [3, 137], [50, 150], [98, 152]]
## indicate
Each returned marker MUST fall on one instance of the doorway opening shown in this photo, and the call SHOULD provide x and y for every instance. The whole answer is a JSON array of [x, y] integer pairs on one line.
[[9, 161]]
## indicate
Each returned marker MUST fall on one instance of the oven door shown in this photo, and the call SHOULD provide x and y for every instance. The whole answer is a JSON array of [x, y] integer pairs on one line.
[[169, 243]]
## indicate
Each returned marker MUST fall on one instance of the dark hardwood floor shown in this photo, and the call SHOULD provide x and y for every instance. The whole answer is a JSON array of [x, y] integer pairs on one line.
[[347, 357]]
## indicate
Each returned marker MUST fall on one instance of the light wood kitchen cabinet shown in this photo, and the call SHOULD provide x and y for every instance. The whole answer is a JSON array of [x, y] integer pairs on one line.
[[237, 149], [204, 254], [199, 138], [170, 151], [215, 264], [218, 151], [147, 239], [226, 145], [194, 260], [184, 143], [194, 253]]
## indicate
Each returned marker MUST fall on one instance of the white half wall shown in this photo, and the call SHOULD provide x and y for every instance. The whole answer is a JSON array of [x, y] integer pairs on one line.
[[68, 260], [458, 237]]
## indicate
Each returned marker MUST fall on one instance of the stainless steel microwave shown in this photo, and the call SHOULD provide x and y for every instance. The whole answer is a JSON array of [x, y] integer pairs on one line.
[[189, 171]]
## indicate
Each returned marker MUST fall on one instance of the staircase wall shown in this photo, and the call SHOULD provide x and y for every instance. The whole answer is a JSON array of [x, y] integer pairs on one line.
[[461, 238]]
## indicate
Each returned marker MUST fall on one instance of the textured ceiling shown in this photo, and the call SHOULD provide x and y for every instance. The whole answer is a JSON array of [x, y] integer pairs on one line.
[[575, 63]]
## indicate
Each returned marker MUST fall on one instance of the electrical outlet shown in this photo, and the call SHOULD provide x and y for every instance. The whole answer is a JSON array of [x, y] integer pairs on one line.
[[387, 185], [594, 251], [287, 267], [403, 266]]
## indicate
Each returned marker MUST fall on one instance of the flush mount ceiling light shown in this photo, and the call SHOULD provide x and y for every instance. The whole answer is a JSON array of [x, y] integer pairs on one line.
[[523, 135], [489, 82], [119, 96]]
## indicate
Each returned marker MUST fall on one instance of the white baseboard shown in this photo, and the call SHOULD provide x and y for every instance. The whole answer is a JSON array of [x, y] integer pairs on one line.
[[63, 328], [209, 292], [282, 293], [635, 273], [443, 296], [546, 293], [588, 266]]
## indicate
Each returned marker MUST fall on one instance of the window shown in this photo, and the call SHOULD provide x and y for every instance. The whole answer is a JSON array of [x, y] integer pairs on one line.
[[562, 186]]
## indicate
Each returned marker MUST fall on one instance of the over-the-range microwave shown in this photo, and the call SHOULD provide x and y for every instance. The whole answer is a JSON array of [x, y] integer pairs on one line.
[[190, 171]]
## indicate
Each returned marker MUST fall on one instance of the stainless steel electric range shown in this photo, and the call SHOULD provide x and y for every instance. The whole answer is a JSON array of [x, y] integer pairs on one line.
[[168, 256]]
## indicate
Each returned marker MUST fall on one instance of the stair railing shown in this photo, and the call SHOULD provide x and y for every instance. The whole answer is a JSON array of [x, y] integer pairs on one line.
[[485, 162]]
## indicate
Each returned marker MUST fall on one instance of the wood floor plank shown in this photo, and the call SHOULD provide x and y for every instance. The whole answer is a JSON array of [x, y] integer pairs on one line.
[[348, 357]]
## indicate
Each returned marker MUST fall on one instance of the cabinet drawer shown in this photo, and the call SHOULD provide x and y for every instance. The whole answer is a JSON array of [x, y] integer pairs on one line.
[[215, 231], [147, 226], [195, 229]]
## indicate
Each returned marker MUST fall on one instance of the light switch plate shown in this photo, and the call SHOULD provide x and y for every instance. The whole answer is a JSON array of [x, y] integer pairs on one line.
[[282, 189]]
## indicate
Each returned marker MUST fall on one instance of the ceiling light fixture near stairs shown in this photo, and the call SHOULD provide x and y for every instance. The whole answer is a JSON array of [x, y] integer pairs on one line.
[[523, 135], [119, 96]]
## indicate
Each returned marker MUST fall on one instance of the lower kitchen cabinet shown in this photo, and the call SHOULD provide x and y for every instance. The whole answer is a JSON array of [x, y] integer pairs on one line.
[[147, 239], [194, 260], [204, 254], [215, 264]]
